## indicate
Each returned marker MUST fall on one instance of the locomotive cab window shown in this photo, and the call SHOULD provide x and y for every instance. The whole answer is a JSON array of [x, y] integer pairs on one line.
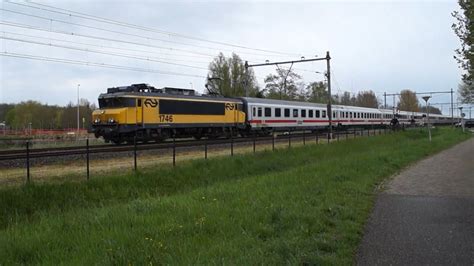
[[117, 102], [268, 112], [277, 112], [287, 112]]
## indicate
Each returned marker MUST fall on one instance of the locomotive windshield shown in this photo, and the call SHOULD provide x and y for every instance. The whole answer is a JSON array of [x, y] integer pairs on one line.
[[116, 102]]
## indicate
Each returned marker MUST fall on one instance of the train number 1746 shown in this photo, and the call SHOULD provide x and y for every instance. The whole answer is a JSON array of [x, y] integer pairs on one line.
[[166, 118]]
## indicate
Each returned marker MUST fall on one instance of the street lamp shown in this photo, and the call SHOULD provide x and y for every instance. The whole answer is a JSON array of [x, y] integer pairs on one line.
[[78, 85], [426, 98]]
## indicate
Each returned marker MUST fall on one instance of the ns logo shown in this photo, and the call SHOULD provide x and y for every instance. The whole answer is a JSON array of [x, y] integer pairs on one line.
[[151, 103], [230, 106]]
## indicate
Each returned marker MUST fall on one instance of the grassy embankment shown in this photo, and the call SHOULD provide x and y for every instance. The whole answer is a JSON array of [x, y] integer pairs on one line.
[[299, 205]]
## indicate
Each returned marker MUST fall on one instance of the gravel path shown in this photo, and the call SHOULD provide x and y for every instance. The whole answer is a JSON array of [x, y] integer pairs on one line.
[[426, 215]]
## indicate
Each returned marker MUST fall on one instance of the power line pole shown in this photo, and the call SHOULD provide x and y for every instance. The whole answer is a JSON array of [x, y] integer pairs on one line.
[[452, 107], [78, 85], [328, 75], [384, 100]]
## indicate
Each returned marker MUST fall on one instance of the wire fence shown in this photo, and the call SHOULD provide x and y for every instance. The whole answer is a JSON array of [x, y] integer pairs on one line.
[[85, 163]]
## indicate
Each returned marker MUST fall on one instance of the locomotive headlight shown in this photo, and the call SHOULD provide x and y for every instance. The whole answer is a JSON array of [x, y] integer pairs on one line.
[[97, 121], [111, 121]]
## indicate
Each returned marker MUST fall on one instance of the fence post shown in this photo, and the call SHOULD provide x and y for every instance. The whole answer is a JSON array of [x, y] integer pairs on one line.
[[135, 152], [289, 138], [174, 151], [28, 161], [329, 138], [273, 139], [304, 137], [205, 148], [254, 133], [87, 157], [231, 144], [317, 138]]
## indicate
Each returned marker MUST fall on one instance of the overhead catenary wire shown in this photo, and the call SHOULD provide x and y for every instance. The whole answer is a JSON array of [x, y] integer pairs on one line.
[[67, 12], [105, 30], [151, 59], [87, 63], [94, 37], [107, 47], [25, 26], [148, 38]]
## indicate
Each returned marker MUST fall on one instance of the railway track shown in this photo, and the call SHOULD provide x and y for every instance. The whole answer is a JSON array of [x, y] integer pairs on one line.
[[6, 155]]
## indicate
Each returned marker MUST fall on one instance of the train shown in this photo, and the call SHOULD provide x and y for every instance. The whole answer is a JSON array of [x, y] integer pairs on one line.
[[143, 113]]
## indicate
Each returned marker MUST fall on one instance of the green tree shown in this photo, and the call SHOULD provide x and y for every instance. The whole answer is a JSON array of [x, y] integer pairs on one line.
[[466, 93], [367, 99], [464, 29], [228, 77], [283, 85], [408, 101], [317, 92]]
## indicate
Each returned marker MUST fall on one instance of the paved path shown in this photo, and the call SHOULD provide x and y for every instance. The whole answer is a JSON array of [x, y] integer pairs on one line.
[[426, 215]]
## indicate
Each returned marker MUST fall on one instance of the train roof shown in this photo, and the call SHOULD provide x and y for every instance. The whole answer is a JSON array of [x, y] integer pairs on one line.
[[166, 95], [281, 102]]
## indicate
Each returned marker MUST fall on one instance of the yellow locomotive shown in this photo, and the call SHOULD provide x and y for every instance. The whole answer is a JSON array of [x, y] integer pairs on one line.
[[146, 113]]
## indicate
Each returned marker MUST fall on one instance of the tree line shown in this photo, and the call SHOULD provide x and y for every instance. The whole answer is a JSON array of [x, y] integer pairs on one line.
[[229, 78], [43, 116]]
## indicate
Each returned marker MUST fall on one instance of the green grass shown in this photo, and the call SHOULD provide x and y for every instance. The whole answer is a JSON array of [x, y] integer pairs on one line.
[[292, 206]]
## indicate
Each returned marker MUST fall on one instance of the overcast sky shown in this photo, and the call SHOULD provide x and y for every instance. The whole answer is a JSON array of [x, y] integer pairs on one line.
[[378, 45]]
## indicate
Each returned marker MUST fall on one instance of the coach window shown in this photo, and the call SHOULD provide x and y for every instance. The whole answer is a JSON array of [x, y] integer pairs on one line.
[[277, 112], [295, 112], [259, 111], [287, 112], [254, 111], [268, 112], [310, 113], [303, 113], [334, 114], [317, 114], [324, 114]]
